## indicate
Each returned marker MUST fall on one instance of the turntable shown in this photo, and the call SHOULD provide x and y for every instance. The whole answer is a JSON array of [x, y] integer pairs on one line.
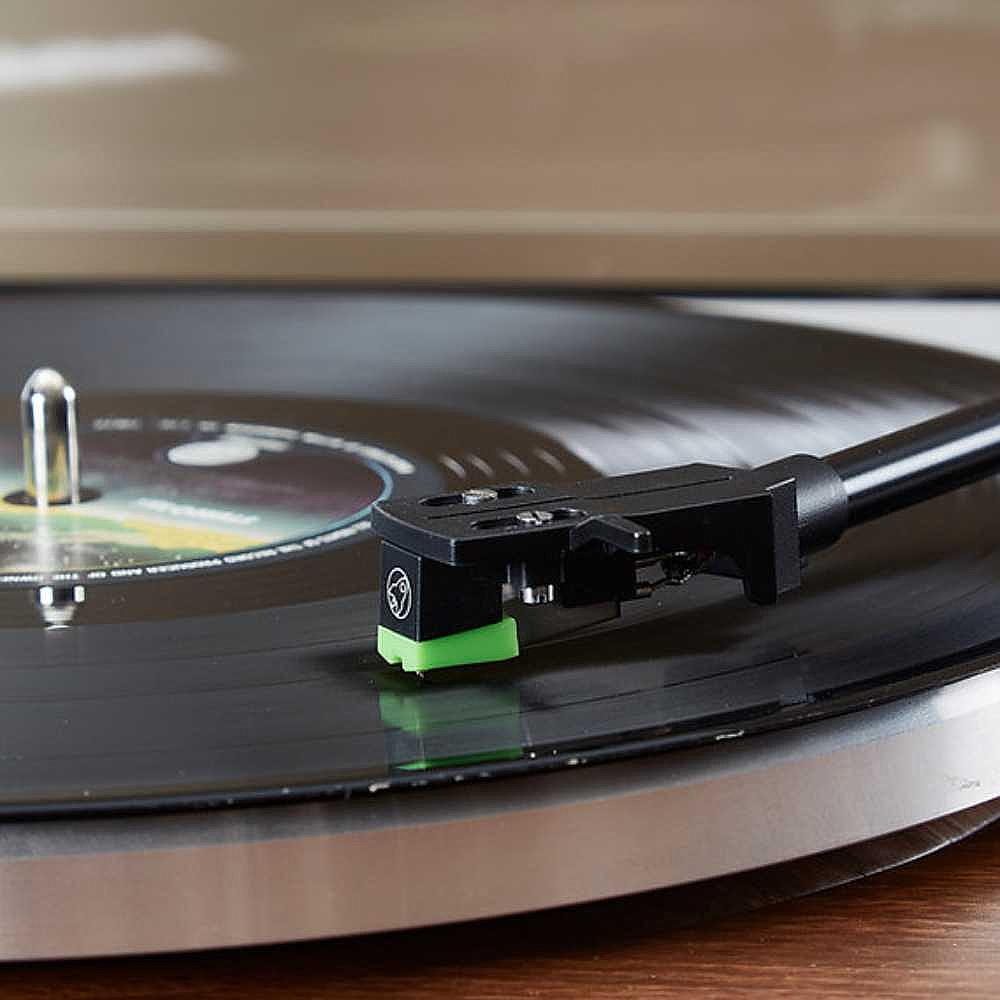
[[200, 744]]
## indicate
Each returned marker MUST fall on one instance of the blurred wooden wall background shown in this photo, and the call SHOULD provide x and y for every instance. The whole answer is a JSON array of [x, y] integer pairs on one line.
[[683, 144]]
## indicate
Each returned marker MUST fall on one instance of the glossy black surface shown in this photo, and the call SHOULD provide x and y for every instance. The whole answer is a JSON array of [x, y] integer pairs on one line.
[[920, 461], [264, 684]]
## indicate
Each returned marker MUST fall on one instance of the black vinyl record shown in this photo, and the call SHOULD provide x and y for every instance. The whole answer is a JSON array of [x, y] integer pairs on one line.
[[219, 646]]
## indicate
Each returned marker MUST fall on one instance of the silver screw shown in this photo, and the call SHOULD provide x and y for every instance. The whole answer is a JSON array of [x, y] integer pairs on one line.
[[480, 495], [533, 518], [543, 594]]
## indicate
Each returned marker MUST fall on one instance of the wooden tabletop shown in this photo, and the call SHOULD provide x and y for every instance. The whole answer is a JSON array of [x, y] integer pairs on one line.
[[929, 928]]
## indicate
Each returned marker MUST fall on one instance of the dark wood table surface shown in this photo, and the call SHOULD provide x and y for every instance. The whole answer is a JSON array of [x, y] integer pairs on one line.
[[929, 928]]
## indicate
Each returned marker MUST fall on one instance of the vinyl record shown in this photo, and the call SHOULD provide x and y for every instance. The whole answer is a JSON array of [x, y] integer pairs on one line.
[[217, 641]]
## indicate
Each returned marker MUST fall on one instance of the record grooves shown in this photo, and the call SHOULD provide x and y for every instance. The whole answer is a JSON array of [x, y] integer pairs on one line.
[[226, 656]]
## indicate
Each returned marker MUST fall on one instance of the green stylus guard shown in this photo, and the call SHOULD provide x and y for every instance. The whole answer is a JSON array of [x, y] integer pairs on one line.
[[477, 645]]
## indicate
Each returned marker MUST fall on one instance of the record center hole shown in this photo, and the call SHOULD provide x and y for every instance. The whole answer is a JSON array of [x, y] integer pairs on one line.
[[24, 499]]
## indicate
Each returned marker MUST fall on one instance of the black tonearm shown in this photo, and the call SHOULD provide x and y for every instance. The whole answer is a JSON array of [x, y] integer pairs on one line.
[[449, 561]]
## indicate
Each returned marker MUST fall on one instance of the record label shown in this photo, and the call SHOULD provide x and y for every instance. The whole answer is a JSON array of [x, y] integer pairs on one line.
[[173, 495]]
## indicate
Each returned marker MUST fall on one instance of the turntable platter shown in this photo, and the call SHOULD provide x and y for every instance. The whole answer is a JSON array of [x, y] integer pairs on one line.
[[223, 654], [225, 647]]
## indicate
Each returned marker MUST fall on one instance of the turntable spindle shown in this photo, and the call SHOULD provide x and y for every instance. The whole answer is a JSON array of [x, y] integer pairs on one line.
[[49, 434]]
